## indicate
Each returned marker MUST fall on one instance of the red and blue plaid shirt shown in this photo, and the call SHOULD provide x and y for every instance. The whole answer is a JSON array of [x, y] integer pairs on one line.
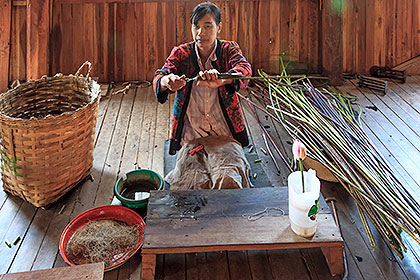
[[183, 60]]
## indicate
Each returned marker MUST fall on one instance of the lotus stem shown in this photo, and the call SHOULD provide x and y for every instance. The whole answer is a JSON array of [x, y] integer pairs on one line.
[[331, 129]]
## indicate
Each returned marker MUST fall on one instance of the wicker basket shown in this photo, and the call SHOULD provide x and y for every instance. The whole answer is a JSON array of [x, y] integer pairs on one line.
[[47, 130], [321, 171]]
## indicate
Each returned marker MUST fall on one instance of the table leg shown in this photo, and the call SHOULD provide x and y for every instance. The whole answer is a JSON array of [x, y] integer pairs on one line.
[[335, 259], [148, 267]]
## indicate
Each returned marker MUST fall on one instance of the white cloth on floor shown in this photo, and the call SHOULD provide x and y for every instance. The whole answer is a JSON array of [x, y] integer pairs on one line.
[[221, 164]]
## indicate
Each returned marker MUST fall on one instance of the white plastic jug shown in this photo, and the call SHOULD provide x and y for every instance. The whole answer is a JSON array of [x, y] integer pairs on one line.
[[303, 207]]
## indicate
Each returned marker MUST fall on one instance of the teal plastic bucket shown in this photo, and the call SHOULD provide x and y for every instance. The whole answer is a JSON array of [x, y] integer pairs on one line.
[[133, 191]]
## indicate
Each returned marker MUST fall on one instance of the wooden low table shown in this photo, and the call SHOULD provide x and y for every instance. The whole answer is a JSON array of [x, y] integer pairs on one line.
[[217, 220]]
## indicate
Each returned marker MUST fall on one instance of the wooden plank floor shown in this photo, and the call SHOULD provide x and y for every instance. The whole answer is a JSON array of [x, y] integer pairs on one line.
[[131, 129]]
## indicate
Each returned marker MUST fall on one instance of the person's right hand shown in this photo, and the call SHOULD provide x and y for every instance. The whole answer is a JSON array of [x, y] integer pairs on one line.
[[172, 82]]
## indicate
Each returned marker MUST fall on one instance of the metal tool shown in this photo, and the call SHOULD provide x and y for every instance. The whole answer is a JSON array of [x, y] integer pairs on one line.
[[374, 84], [386, 72], [197, 149], [349, 76], [232, 76], [239, 76], [332, 200]]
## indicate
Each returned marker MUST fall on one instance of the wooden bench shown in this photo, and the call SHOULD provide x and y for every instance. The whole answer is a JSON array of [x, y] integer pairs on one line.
[[218, 220], [93, 271]]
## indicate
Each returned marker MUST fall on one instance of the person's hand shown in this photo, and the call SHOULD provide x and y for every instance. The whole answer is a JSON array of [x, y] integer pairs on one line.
[[210, 78], [172, 82]]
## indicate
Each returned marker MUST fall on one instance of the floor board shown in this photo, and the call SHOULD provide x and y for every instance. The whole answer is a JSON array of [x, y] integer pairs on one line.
[[19, 226], [110, 171], [129, 158], [398, 146], [130, 131]]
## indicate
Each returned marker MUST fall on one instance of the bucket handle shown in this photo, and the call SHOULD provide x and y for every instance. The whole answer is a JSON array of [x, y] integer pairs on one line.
[[87, 62]]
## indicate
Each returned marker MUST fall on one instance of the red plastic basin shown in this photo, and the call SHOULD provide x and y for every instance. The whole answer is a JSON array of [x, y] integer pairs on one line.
[[106, 212]]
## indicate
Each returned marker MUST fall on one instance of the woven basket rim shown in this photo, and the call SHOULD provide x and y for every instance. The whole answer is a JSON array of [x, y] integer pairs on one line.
[[93, 93]]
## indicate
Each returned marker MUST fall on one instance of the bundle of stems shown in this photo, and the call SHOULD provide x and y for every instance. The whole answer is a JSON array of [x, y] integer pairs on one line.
[[331, 130]]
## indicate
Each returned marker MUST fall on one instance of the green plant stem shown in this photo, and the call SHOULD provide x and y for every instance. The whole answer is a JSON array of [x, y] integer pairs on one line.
[[303, 177], [327, 124]]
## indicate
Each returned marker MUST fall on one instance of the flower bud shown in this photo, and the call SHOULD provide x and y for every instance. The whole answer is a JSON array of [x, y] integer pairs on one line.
[[299, 150]]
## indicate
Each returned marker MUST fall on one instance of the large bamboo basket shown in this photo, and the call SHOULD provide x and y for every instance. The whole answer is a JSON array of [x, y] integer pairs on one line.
[[47, 130]]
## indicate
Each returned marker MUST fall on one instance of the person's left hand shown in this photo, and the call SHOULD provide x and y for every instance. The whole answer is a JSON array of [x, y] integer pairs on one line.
[[210, 79]]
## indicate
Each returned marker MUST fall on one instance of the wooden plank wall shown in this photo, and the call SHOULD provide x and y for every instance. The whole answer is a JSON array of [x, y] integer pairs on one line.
[[378, 32], [5, 20], [331, 41], [37, 35], [129, 39], [18, 44]]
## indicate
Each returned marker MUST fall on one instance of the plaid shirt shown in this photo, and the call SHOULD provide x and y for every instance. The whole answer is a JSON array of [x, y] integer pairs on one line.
[[183, 60]]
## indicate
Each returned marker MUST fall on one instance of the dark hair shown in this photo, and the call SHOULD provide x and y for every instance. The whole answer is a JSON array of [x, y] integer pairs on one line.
[[205, 8]]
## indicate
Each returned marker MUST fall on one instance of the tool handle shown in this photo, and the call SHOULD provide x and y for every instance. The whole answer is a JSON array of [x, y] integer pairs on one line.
[[220, 76]]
